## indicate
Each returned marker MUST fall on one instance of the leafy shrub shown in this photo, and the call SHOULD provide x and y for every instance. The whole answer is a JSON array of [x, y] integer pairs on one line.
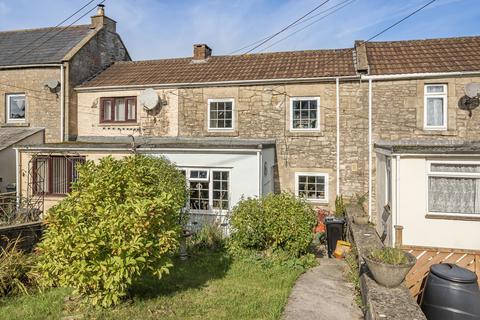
[[273, 222], [121, 220], [15, 265], [389, 255], [210, 236]]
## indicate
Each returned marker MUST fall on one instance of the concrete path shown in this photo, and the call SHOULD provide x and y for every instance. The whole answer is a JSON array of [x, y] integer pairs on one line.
[[323, 293]]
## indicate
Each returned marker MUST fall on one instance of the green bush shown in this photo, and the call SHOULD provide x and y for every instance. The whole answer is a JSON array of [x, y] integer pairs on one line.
[[210, 236], [273, 222], [15, 266], [120, 221]]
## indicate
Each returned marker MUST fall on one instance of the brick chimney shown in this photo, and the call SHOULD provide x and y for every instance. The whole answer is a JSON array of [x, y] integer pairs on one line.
[[201, 52], [361, 59], [101, 20]]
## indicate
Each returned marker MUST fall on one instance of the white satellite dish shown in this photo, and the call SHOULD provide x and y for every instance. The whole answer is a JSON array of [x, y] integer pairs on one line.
[[149, 99], [472, 89], [52, 84]]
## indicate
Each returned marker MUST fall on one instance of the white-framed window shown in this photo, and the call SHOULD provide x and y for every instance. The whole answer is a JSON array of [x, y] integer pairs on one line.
[[305, 113], [312, 186], [435, 107], [453, 187], [209, 189], [221, 115], [16, 108]]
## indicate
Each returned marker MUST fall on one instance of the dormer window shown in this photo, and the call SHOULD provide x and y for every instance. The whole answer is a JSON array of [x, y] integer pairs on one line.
[[118, 110]]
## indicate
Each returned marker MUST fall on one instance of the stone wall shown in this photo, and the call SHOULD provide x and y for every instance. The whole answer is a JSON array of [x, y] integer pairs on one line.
[[161, 121], [42, 106], [29, 234], [97, 54]]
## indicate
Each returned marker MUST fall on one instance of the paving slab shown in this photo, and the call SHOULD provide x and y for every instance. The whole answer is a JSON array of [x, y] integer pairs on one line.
[[322, 293]]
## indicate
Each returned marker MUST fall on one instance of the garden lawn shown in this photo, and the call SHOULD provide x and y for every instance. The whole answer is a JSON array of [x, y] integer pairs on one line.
[[210, 285]]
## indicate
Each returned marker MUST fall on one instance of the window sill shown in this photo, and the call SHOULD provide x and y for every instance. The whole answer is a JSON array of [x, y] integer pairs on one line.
[[452, 217], [222, 133], [436, 132], [306, 133], [15, 124], [119, 124]]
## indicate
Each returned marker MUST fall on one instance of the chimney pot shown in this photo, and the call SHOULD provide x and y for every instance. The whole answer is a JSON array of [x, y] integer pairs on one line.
[[100, 20], [201, 52], [101, 10]]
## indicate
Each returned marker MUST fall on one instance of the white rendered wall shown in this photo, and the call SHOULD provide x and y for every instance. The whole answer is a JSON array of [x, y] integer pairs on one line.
[[421, 231]]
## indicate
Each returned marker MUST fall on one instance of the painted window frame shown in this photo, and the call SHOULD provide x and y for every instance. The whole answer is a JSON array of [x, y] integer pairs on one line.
[[317, 128], [211, 170], [112, 110], [315, 174], [209, 101], [431, 173], [50, 173], [444, 96], [7, 108]]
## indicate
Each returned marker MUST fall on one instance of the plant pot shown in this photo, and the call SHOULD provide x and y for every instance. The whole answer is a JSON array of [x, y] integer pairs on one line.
[[360, 219], [389, 275]]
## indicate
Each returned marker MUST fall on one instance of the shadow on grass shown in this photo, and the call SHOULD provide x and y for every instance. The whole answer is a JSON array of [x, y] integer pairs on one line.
[[195, 272]]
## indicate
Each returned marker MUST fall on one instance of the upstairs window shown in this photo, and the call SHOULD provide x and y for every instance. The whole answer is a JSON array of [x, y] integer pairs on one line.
[[54, 175], [435, 107], [118, 110], [16, 108], [220, 114], [312, 186], [305, 114]]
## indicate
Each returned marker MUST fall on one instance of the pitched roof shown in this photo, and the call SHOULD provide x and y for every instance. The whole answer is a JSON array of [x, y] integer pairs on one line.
[[263, 66], [430, 146], [12, 43], [11, 136], [421, 56]]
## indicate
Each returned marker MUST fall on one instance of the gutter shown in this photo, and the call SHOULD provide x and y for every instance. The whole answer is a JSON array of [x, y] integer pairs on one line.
[[22, 66], [217, 83], [140, 150], [419, 75]]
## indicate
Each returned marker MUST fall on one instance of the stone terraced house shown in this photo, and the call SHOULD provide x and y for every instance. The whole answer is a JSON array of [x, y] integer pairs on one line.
[[381, 117], [39, 69]]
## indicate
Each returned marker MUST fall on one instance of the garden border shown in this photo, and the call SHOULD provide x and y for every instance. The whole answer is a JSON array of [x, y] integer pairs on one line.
[[380, 302]]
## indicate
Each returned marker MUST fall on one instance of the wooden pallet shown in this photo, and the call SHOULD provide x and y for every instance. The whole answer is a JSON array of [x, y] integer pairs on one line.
[[427, 256]]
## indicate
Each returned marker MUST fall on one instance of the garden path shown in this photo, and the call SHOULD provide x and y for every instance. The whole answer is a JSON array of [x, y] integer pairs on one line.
[[322, 293]]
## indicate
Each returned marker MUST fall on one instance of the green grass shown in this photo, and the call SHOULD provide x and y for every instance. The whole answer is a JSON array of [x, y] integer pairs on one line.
[[210, 285]]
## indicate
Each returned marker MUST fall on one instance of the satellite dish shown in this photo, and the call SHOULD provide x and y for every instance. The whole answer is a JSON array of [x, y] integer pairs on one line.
[[52, 84], [468, 104], [149, 99], [472, 89]]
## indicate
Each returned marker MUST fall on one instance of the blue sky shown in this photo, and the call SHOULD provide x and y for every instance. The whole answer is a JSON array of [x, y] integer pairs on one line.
[[166, 28]]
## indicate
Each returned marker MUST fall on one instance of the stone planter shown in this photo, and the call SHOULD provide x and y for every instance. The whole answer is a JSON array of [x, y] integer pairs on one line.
[[389, 275], [360, 219]]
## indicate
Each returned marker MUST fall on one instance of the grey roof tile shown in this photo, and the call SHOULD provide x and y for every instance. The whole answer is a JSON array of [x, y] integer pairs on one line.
[[45, 50], [11, 136]]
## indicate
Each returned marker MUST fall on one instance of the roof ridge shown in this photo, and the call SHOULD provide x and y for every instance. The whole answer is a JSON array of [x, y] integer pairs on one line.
[[426, 39], [45, 28], [341, 50]]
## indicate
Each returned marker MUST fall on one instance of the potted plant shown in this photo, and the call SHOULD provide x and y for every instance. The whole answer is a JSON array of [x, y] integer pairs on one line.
[[389, 266], [360, 219]]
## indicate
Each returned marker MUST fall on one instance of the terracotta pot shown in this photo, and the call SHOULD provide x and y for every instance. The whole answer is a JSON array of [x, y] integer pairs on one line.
[[360, 219], [389, 275]]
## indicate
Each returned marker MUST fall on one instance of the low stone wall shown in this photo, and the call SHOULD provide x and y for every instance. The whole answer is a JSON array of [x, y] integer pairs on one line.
[[380, 302], [30, 233]]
